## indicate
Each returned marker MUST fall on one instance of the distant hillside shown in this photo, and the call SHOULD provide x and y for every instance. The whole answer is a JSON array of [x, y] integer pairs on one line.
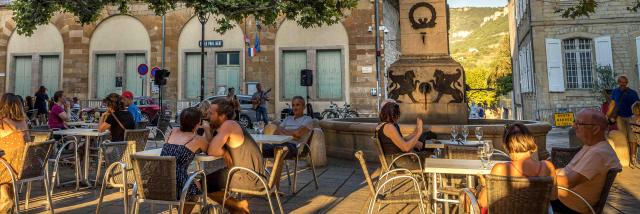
[[476, 33]]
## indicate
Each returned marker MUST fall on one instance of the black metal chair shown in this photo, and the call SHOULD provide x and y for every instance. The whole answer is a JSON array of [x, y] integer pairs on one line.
[[305, 152], [604, 194], [119, 172]]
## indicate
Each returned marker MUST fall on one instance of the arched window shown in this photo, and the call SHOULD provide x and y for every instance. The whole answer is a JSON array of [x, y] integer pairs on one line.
[[578, 61]]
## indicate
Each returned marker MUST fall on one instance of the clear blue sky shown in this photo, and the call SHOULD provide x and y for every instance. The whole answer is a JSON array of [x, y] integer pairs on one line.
[[477, 3]]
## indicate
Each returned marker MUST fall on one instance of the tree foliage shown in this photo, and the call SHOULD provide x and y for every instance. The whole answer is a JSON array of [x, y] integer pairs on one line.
[[588, 7], [477, 80], [605, 79], [28, 14]]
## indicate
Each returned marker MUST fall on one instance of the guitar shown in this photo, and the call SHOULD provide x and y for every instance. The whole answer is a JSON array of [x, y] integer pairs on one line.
[[255, 103]]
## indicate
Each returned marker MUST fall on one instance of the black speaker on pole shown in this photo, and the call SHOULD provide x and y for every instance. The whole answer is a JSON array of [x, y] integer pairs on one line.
[[306, 77]]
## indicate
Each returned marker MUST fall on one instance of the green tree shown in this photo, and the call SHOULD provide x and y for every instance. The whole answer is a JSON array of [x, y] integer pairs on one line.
[[28, 14], [605, 79], [501, 78], [588, 7], [477, 80]]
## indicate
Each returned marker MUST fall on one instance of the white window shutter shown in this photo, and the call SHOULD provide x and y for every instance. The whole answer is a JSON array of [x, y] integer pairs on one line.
[[638, 55], [555, 70], [603, 51]]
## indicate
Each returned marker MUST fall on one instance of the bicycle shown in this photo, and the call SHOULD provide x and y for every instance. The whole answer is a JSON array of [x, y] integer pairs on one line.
[[334, 112]]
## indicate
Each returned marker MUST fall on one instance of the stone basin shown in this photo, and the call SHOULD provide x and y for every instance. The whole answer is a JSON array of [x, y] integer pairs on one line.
[[343, 137]]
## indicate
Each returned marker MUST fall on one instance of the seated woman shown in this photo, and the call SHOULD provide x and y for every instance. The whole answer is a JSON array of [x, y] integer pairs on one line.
[[117, 118], [520, 145], [184, 144], [391, 140], [12, 141]]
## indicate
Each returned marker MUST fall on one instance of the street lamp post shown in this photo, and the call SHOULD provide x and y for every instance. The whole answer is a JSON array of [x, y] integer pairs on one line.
[[377, 35], [202, 17]]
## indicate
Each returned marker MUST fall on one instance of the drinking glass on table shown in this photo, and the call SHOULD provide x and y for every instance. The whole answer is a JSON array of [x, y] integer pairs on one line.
[[260, 127], [483, 157], [465, 133], [454, 133], [488, 149], [255, 127], [479, 133]]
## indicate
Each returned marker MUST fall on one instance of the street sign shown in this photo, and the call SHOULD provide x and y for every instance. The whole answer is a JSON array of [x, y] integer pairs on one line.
[[154, 70], [211, 43], [563, 119], [143, 69]]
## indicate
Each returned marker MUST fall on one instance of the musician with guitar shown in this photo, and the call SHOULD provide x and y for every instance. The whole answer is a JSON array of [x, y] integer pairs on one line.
[[260, 100]]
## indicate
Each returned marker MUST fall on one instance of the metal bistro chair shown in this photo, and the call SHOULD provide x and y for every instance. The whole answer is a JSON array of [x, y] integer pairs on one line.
[[140, 136], [560, 157], [34, 168], [156, 182], [508, 194], [60, 156], [120, 171], [40, 135], [270, 185], [378, 195], [604, 194], [305, 151], [382, 159], [33, 119]]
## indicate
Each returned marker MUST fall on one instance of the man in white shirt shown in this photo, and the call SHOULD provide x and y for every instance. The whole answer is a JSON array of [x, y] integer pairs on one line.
[[298, 126], [587, 171]]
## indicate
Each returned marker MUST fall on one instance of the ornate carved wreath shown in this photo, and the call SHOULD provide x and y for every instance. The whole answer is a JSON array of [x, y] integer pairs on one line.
[[422, 22]]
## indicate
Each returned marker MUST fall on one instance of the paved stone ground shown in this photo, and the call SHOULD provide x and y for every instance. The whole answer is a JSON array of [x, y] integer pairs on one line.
[[342, 190]]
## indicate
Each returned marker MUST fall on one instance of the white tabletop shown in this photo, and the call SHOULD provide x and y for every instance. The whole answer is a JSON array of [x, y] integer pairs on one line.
[[271, 139], [81, 132], [456, 166], [156, 152], [450, 142], [81, 123]]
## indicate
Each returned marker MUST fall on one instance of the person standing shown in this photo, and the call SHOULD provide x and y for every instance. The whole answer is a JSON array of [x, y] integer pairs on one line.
[[13, 125], [41, 101], [127, 99], [231, 96], [59, 111], [620, 108], [261, 98]]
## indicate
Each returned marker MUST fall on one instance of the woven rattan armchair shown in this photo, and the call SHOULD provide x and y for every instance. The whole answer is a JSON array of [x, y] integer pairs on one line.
[[379, 196], [269, 184], [34, 168], [119, 172], [304, 152], [140, 136], [383, 160], [464, 152], [40, 135], [604, 194], [508, 194], [560, 157], [156, 183]]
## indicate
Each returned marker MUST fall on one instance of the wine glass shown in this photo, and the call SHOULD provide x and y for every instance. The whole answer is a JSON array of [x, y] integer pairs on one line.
[[454, 133], [483, 157], [261, 127], [488, 148], [465, 133], [256, 127], [479, 133]]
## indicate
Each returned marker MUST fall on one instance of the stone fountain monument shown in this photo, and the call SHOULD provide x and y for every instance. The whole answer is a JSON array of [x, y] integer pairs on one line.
[[428, 84], [426, 81]]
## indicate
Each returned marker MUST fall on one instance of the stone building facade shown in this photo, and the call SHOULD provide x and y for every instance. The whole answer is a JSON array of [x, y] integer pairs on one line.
[[93, 60], [554, 58]]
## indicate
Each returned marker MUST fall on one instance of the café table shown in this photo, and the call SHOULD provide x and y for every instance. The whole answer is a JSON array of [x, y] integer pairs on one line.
[[88, 134], [442, 143], [271, 139], [82, 124]]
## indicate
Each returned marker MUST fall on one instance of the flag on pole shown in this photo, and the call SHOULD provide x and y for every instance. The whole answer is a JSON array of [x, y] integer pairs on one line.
[[257, 43], [251, 52], [246, 39]]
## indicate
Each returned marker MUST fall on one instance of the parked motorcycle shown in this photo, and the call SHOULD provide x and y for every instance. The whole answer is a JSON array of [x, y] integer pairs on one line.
[[334, 112]]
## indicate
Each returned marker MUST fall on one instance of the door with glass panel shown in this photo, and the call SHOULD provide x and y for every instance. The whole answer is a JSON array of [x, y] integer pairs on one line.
[[292, 63], [23, 76], [329, 71], [228, 70], [50, 70], [192, 77], [133, 81], [106, 75]]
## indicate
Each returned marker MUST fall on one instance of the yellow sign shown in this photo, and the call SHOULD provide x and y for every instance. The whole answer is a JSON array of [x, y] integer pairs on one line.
[[563, 119]]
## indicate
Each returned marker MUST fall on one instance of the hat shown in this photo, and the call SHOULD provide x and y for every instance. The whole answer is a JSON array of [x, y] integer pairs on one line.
[[127, 94]]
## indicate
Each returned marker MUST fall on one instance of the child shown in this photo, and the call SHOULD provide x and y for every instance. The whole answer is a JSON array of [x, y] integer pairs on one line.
[[635, 128]]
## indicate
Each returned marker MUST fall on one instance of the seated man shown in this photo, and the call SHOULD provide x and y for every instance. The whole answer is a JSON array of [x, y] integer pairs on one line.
[[587, 171], [298, 126]]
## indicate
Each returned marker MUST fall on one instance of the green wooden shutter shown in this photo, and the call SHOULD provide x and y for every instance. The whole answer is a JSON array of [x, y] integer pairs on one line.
[[193, 75], [23, 76], [229, 76], [293, 62], [50, 72], [133, 81], [329, 72], [106, 75]]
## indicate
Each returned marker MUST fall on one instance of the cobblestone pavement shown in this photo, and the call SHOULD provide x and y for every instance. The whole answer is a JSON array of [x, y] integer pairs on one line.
[[342, 190]]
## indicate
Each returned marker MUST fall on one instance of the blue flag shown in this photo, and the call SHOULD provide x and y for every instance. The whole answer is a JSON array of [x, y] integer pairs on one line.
[[257, 43]]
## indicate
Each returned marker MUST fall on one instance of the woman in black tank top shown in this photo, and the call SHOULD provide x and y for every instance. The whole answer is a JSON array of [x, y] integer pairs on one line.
[[390, 138]]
